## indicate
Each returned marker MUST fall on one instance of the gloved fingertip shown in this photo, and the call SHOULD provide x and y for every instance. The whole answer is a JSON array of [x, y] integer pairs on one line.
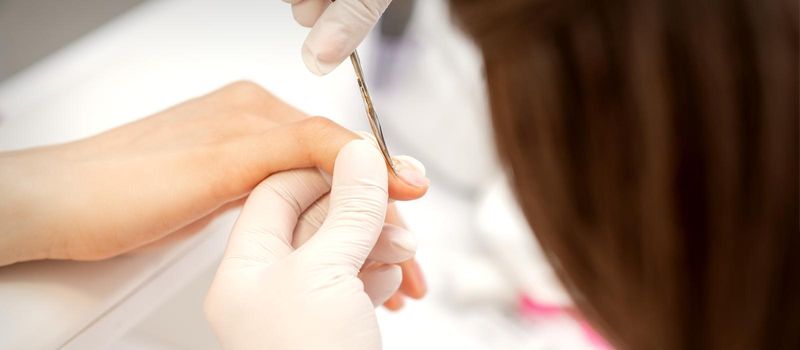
[[406, 243], [314, 64], [306, 13], [381, 283], [359, 159], [395, 245]]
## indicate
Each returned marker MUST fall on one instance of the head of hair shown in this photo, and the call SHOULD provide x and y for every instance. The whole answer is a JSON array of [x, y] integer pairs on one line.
[[653, 147]]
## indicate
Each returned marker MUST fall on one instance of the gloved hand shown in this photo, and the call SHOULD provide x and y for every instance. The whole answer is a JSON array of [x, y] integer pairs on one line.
[[337, 29], [268, 295]]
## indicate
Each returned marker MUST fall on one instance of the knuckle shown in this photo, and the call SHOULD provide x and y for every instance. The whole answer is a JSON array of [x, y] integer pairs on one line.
[[317, 129], [246, 91], [316, 133], [319, 126]]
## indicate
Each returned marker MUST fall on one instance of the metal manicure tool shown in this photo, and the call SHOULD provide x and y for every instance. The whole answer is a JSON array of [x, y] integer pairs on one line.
[[374, 123]]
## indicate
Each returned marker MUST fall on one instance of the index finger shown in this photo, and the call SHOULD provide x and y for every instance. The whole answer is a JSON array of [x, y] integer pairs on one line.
[[311, 142]]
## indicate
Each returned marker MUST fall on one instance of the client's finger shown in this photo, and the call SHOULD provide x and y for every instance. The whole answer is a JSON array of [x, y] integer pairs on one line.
[[307, 143], [413, 280], [413, 284], [395, 302]]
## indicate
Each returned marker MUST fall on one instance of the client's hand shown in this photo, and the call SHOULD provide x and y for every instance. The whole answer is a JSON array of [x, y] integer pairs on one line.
[[269, 293], [105, 195]]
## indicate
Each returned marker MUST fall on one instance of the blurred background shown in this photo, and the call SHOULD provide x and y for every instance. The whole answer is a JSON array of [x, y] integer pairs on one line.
[[72, 68]]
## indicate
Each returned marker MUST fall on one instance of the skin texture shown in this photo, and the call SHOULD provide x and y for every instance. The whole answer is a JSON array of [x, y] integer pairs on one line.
[[108, 194]]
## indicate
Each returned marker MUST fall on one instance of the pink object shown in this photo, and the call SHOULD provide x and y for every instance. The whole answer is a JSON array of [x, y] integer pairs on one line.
[[532, 307], [592, 336], [529, 306]]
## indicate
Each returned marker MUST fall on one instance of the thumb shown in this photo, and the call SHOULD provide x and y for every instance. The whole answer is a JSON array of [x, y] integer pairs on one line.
[[338, 31], [263, 231], [358, 201]]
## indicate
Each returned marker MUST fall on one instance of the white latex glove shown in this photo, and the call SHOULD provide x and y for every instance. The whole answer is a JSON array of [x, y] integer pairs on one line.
[[337, 29], [268, 295]]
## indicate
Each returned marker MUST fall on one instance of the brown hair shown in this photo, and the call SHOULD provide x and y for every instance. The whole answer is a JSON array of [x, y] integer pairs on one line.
[[653, 146]]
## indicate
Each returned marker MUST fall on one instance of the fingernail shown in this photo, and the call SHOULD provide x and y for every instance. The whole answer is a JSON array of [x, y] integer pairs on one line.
[[408, 169], [411, 171], [314, 64], [410, 161]]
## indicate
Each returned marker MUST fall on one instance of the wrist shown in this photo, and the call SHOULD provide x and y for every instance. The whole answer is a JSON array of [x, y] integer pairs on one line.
[[21, 236]]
